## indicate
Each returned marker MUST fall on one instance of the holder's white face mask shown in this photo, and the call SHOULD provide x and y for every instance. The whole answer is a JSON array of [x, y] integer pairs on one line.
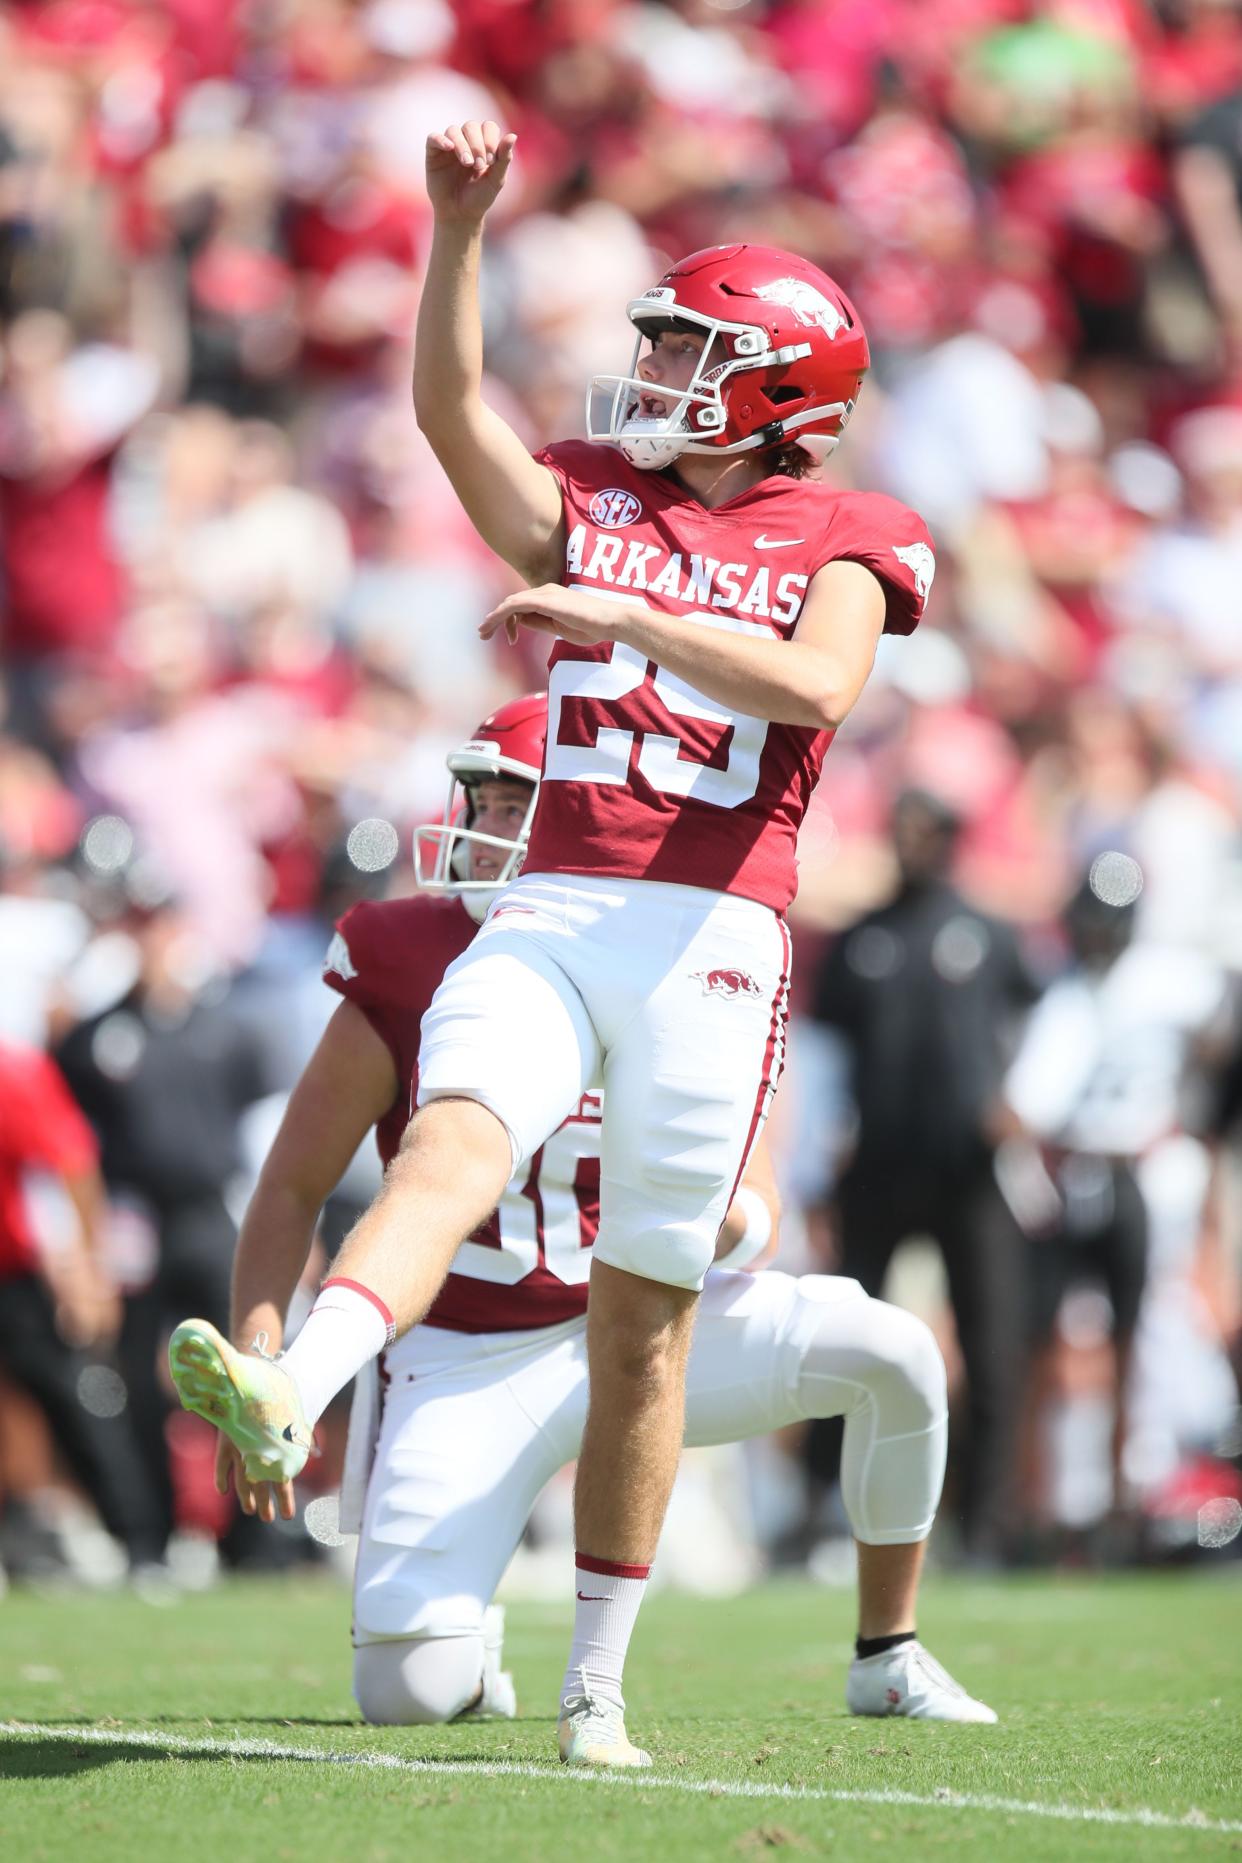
[[450, 844]]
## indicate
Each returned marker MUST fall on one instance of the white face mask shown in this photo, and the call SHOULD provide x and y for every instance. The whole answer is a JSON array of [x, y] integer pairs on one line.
[[651, 442], [450, 844]]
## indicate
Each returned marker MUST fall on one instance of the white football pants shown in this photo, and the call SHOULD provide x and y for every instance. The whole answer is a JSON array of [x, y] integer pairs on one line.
[[671, 998], [476, 1424]]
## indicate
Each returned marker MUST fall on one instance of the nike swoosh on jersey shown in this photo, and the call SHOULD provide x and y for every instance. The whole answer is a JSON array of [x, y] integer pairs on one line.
[[777, 543]]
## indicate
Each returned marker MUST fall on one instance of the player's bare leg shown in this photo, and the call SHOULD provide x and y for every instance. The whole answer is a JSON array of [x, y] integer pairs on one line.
[[888, 1585], [454, 1162], [638, 1340]]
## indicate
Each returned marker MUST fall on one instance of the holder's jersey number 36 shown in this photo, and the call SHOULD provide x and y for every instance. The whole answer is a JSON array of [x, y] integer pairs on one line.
[[660, 760], [546, 1218]]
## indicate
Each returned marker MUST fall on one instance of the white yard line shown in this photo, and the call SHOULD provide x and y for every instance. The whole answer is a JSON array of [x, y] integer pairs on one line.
[[942, 1800]]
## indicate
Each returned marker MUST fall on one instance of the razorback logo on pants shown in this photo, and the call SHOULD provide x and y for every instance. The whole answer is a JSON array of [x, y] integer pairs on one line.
[[727, 983]]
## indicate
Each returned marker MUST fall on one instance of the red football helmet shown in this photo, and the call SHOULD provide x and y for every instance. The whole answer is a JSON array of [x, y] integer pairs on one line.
[[784, 359], [508, 743]]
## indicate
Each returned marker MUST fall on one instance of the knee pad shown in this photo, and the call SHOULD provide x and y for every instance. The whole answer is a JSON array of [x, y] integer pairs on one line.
[[881, 1369], [887, 1355], [417, 1681], [911, 1365]]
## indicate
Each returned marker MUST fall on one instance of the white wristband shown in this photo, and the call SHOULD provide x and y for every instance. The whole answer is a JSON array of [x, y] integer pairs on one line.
[[756, 1234]]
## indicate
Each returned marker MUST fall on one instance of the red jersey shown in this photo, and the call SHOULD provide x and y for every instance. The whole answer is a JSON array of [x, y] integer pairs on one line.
[[645, 777], [64, 585], [528, 1264], [40, 1126]]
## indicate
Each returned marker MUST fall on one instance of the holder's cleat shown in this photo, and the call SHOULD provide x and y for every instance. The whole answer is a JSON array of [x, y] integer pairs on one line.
[[908, 1680]]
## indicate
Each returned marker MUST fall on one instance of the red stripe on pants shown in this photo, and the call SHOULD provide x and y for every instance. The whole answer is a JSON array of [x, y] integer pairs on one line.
[[775, 1043]]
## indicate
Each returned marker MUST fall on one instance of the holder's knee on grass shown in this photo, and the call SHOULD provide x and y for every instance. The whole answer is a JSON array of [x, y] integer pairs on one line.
[[417, 1681]]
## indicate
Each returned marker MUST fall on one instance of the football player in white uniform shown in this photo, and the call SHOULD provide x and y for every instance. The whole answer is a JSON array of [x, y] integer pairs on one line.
[[713, 620], [477, 1407]]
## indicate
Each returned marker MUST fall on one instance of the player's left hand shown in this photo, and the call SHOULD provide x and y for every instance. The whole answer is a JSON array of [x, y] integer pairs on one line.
[[264, 1498], [570, 614]]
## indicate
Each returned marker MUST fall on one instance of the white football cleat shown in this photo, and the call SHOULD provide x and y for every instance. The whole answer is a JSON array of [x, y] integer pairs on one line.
[[592, 1733], [499, 1698], [908, 1680], [250, 1397]]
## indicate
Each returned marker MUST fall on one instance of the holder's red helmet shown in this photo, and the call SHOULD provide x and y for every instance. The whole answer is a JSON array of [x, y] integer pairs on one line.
[[508, 743], [784, 359]]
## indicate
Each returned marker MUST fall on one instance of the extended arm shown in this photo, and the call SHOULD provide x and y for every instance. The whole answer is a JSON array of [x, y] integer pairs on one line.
[[812, 680], [349, 1083], [514, 504]]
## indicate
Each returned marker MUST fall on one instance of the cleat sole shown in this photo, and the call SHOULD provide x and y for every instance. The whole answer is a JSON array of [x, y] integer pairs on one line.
[[199, 1360]]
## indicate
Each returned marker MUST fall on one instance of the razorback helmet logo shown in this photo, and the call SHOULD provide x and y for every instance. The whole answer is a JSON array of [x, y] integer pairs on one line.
[[808, 305]]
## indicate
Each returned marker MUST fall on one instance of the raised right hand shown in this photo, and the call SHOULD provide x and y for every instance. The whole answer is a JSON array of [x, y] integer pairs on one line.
[[466, 169]]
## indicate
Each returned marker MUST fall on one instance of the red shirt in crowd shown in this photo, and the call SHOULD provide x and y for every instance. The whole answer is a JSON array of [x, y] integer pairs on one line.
[[64, 585], [40, 1127]]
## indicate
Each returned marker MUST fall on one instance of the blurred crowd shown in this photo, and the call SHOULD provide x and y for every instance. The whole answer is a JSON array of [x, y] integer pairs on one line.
[[237, 622]]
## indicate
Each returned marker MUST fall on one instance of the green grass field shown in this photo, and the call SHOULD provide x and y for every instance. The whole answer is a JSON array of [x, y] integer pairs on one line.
[[129, 1731]]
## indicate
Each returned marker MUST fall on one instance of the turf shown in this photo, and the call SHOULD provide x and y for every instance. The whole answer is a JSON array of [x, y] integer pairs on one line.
[[1120, 1695]]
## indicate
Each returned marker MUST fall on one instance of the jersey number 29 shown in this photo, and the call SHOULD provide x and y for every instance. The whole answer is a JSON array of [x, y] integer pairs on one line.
[[660, 761]]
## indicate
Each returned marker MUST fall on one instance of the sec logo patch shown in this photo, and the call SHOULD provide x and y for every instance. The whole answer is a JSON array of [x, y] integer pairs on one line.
[[612, 508]]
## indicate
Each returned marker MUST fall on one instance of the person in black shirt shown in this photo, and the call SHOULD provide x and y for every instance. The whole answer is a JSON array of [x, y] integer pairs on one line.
[[164, 1076], [921, 989]]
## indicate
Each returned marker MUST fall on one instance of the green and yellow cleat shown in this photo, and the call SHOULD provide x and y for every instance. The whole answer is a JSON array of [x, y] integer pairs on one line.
[[251, 1398], [592, 1733]]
